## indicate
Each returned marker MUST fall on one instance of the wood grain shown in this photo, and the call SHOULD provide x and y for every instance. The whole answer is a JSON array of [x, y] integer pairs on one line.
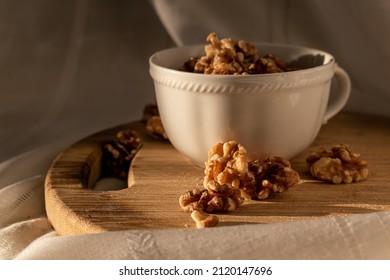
[[159, 174]]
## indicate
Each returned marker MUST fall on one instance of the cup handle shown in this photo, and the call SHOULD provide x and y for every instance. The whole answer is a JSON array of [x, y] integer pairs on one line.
[[343, 92]]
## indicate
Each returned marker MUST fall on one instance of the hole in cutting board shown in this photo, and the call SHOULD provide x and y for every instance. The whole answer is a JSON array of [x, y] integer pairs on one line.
[[109, 184]]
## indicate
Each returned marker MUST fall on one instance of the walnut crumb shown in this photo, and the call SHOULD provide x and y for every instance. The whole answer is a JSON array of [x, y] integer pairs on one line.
[[204, 220]]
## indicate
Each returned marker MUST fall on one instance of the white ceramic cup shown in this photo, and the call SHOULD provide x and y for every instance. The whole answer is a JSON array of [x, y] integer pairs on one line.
[[278, 114]]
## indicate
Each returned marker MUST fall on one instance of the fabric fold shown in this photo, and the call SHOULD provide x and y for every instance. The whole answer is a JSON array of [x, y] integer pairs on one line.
[[352, 237]]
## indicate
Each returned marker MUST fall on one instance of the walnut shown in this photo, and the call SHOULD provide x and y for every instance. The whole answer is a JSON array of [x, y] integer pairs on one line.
[[272, 175], [271, 64], [204, 220], [152, 118], [221, 204], [225, 198], [216, 198], [120, 152], [339, 165], [226, 164], [155, 127], [150, 110], [226, 190], [232, 57], [195, 199], [189, 65]]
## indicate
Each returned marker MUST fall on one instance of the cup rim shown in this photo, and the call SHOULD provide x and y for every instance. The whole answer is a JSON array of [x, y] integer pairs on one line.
[[175, 78]]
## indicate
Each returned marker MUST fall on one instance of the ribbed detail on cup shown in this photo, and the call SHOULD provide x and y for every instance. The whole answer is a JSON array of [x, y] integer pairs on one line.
[[238, 84]]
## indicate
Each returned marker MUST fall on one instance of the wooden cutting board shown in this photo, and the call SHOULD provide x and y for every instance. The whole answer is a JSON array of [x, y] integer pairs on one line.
[[159, 175]]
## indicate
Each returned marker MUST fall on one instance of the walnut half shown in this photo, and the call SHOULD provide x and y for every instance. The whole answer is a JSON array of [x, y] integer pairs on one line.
[[216, 198], [154, 126], [339, 165], [272, 175], [226, 164], [119, 153]]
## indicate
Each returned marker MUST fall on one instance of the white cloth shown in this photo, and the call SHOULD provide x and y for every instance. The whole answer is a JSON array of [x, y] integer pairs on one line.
[[70, 68]]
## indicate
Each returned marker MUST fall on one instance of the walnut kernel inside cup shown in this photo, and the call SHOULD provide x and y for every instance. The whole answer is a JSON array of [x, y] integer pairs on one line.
[[233, 57]]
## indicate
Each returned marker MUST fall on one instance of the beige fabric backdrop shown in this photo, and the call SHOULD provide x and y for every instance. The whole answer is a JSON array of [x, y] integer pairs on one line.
[[352, 30], [70, 68]]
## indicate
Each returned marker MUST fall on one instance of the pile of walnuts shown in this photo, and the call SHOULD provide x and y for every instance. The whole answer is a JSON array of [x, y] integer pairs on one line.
[[230, 178], [227, 164], [233, 57]]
